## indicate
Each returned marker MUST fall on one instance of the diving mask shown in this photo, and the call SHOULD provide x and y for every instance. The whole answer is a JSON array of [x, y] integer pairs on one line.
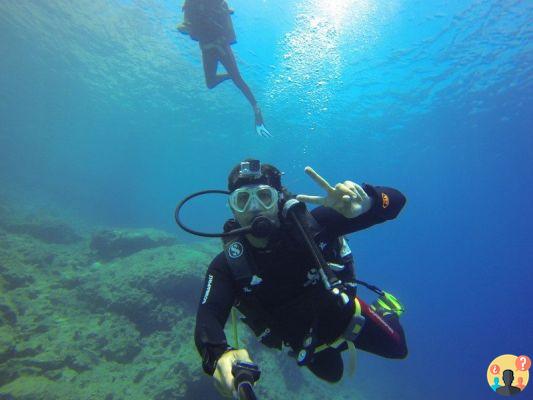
[[253, 197]]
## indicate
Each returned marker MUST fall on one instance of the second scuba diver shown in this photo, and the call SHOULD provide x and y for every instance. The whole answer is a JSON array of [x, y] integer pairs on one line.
[[209, 23], [291, 274]]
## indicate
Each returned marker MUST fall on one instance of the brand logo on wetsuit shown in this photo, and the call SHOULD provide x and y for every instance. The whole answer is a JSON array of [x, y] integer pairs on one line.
[[208, 289], [235, 250], [256, 280], [345, 249]]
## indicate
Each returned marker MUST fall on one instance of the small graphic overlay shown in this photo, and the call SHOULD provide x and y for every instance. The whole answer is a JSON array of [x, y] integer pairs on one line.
[[508, 374], [523, 363]]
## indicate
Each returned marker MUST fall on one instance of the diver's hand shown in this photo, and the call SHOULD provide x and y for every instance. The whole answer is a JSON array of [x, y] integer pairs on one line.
[[223, 375], [259, 123], [348, 198], [262, 131]]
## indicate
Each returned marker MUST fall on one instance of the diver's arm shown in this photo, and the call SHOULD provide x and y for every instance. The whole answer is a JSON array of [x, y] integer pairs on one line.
[[216, 301], [386, 205]]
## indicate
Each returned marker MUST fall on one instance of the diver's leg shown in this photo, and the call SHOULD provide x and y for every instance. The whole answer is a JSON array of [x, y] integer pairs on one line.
[[228, 61], [210, 60], [383, 336]]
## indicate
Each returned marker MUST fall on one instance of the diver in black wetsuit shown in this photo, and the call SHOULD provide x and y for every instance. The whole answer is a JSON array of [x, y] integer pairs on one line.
[[270, 276]]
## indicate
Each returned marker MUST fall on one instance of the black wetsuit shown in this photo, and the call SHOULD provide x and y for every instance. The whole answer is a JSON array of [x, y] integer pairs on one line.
[[293, 297], [210, 22]]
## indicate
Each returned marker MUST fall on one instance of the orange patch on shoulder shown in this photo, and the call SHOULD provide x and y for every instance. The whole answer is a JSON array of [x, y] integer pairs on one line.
[[385, 200]]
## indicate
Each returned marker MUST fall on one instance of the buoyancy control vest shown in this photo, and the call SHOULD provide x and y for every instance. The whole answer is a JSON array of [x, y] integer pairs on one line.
[[244, 269]]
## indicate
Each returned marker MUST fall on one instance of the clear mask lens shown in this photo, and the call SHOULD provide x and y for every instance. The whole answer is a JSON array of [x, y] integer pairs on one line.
[[242, 199], [260, 197]]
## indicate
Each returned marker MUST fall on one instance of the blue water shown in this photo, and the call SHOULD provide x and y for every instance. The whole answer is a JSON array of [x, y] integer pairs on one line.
[[103, 110]]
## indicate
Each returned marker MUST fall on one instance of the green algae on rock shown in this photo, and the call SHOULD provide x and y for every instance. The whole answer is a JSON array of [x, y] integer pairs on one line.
[[79, 324], [110, 244]]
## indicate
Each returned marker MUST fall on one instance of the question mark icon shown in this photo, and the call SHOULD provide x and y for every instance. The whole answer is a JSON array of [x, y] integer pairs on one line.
[[523, 363], [495, 369]]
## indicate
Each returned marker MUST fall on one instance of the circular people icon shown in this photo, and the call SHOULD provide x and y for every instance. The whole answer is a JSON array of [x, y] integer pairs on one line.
[[508, 374]]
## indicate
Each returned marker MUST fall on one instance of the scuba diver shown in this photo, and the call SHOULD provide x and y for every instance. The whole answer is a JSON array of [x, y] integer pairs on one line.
[[291, 274], [209, 23]]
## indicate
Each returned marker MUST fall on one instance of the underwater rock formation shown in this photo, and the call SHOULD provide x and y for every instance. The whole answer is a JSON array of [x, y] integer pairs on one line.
[[109, 244], [47, 231], [38, 226], [111, 316]]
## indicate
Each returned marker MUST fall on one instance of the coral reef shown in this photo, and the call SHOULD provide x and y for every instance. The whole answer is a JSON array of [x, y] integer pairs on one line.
[[110, 315]]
